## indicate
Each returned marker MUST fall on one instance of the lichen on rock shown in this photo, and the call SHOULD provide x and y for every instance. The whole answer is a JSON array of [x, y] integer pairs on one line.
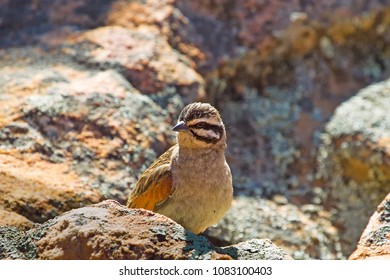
[[109, 230], [374, 242], [354, 159]]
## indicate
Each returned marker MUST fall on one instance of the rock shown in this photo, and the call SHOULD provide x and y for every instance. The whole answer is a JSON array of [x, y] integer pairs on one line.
[[10, 218], [278, 70], [275, 128], [108, 230], [15, 244], [303, 234], [70, 136], [256, 20], [44, 20], [108, 132], [143, 57], [375, 240], [291, 62], [39, 190], [147, 12], [258, 249], [354, 160], [256, 127]]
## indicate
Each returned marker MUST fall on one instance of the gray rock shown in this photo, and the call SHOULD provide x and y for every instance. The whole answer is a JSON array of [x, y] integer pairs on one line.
[[103, 124], [354, 160], [258, 249], [303, 233], [15, 244]]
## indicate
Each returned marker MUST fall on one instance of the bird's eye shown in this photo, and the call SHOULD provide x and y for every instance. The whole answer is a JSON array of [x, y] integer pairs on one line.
[[200, 125]]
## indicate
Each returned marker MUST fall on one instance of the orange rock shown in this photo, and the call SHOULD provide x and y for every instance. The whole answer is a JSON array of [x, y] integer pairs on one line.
[[95, 125], [109, 230], [38, 190], [10, 218], [375, 240], [144, 57]]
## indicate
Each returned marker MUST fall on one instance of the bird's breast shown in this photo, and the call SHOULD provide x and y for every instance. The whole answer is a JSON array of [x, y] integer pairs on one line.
[[209, 173], [203, 191]]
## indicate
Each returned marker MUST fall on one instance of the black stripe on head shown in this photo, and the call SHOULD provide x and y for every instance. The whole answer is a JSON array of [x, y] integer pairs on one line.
[[206, 126]]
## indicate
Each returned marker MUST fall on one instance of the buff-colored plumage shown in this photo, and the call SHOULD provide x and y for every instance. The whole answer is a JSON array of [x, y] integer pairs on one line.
[[191, 182]]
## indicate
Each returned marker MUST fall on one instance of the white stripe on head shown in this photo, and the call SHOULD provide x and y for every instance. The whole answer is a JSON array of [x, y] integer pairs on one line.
[[207, 133]]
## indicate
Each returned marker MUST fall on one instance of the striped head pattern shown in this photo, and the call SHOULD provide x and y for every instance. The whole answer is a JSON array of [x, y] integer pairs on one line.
[[200, 125]]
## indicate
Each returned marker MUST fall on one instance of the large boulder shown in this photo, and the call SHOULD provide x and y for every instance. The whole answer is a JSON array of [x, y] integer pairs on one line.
[[109, 230], [143, 56], [354, 160], [70, 136]]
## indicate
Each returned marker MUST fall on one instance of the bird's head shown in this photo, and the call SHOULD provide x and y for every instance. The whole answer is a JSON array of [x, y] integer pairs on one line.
[[200, 126]]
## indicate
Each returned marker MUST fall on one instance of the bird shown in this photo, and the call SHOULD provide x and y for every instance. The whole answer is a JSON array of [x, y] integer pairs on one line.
[[191, 182]]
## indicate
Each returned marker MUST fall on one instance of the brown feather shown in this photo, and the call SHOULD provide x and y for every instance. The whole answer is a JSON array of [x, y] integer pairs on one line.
[[155, 184]]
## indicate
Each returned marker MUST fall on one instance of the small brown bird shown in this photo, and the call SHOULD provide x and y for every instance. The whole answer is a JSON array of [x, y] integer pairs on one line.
[[191, 182]]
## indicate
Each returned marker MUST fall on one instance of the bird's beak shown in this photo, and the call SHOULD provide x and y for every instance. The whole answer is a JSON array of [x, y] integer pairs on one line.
[[180, 126]]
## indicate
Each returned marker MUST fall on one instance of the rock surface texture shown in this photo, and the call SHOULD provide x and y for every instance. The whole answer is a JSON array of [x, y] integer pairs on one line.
[[354, 160], [303, 233], [90, 89], [375, 240], [110, 231]]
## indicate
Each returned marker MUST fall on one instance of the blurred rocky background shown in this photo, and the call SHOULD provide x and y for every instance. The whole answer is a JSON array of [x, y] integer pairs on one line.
[[90, 89]]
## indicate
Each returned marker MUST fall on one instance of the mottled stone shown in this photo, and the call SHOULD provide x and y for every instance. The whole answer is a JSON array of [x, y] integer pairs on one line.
[[16, 244], [109, 230], [258, 249], [354, 160], [108, 131], [278, 70], [10, 218], [304, 233], [40, 190], [143, 56], [71, 136], [48, 21], [281, 73], [375, 240]]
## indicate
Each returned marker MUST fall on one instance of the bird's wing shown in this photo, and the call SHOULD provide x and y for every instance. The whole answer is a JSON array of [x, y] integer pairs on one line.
[[155, 184]]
